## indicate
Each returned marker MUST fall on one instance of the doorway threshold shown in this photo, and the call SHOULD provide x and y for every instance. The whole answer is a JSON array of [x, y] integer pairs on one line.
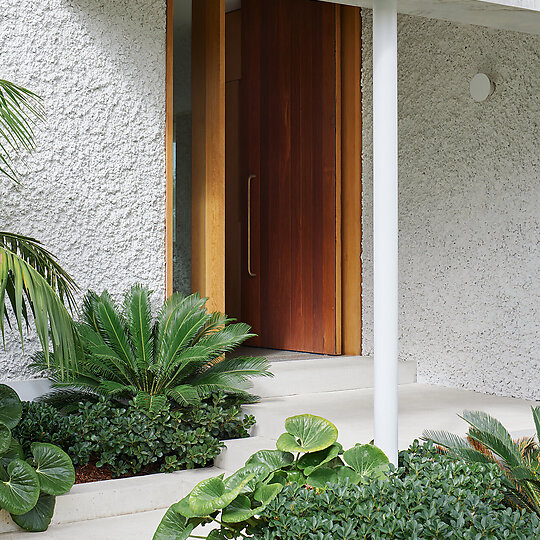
[[277, 355]]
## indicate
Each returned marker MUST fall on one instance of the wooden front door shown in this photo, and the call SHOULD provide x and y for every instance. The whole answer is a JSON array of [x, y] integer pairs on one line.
[[290, 167]]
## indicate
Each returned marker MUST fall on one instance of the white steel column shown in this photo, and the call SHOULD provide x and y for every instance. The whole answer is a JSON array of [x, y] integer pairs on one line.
[[385, 226]]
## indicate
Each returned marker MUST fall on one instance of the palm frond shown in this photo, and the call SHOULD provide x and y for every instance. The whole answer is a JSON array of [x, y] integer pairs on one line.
[[536, 417], [184, 325], [458, 446], [113, 330], [235, 371], [217, 320], [226, 339], [68, 399], [139, 322], [175, 309], [184, 394], [491, 433], [20, 110], [22, 283], [44, 262]]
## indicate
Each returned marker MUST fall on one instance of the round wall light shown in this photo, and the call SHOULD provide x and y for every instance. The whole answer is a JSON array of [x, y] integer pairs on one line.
[[481, 87]]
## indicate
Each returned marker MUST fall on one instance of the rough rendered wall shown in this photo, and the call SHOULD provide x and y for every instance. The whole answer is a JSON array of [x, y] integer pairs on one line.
[[469, 206], [94, 191]]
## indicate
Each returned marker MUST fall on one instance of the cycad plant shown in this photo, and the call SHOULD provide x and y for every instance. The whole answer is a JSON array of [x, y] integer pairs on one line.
[[488, 441], [31, 280], [178, 357]]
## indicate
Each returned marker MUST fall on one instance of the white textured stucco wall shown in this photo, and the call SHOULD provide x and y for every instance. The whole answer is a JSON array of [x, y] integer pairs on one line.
[[94, 191], [469, 206]]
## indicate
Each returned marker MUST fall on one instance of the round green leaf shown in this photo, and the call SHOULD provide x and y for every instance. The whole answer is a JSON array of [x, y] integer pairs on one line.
[[296, 476], [39, 518], [322, 476], [367, 460], [211, 495], [20, 493], [5, 438], [173, 526], [54, 468], [267, 493], [257, 472], [182, 507], [347, 474], [10, 406], [239, 510], [15, 451], [311, 462], [307, 433], [274, 459]]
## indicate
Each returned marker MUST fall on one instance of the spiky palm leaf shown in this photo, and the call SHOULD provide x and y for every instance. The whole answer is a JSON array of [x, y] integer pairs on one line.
[[27, 290], [31, 280], [20, 110], [488, 441], [179, 357]]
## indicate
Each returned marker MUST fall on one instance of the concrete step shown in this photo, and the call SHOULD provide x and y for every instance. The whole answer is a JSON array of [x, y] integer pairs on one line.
[[110, 498], [421, 407], [137, 526], [239, 450], [310, 375]]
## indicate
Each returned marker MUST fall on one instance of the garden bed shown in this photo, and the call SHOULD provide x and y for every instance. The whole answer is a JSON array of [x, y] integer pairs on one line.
[[118, 497]]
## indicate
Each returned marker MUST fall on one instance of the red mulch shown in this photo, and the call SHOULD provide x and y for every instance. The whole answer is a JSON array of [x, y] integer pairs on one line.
[[92, 473]]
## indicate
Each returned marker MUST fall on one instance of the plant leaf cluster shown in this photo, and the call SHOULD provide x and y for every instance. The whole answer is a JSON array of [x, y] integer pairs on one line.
[[129, 441], [28, 487], [488, 441], [235, 503], [178, 357], [429, 496]]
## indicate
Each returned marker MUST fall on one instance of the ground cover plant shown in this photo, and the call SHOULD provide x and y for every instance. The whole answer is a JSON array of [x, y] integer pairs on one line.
[[429, 496], [107, 440], [177, 358], [307, 453], [488, 441], [31, 479]]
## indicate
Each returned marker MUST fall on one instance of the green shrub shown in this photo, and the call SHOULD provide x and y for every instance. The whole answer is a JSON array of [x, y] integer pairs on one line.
[[130, 440], [488, 441], [428, 496], [244, 495], [178, 357]]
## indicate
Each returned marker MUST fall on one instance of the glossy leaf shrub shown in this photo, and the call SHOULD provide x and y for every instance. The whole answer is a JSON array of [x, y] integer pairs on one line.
[[130, 441], [488, 441], [428, 496], [241, 498], [29, 482]]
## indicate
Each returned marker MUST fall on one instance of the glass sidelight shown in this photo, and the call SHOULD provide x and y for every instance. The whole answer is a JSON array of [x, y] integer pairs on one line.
[[182, 112]]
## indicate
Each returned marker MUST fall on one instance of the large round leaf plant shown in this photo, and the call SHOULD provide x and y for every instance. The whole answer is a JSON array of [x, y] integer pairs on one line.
[[308, 454], [28, 487]]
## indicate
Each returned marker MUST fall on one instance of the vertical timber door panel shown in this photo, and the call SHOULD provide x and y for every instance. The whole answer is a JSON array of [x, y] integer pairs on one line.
[[289, 110]]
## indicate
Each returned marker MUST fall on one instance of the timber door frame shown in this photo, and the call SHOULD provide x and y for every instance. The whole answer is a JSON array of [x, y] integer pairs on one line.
[[208, 175]]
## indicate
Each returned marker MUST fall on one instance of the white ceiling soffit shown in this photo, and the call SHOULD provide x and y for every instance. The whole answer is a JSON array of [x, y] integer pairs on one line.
[[515, 15]]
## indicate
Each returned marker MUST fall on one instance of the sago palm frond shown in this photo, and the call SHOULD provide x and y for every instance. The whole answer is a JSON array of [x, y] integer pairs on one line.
[[179, 356], [28, 291], [488, 441], [233, 371], [20, 110]]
